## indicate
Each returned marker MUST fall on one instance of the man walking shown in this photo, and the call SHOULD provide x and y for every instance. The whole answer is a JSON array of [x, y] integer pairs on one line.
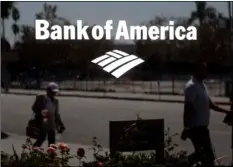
[[197, 116], [46, 109]]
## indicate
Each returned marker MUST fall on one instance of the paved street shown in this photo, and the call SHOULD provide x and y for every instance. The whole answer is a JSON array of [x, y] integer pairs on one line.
[[87, 117]]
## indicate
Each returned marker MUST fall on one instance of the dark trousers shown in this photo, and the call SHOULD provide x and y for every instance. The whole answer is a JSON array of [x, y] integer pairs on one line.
[[42, 137], [204, 152]]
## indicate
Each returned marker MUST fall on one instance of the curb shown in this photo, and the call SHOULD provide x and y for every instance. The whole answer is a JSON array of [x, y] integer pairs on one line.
[[115, 98]]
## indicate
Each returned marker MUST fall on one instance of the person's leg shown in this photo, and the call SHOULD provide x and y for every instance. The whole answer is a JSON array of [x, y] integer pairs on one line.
[[195, 139], [209, 155], [51, 137], [40, 139]]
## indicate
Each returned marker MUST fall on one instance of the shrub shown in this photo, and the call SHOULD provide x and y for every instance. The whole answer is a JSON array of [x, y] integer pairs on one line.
[[58, 155]]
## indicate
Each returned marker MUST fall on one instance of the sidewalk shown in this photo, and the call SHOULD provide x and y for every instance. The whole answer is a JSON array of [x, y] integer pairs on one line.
[[119, 96], [17, 141]]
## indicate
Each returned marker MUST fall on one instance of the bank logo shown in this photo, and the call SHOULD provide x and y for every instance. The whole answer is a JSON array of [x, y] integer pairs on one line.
[[117, 62]]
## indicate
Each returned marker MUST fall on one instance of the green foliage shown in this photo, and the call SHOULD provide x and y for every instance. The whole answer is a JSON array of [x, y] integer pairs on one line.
[[203, 13], [15, 28], [55, 155], [6, 7], [49, 13], [59, 156], [65, 54], [15, 14], [212, 44], [9, 9]]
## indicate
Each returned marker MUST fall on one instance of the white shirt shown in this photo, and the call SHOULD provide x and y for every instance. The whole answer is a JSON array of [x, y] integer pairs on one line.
[[197, 94]]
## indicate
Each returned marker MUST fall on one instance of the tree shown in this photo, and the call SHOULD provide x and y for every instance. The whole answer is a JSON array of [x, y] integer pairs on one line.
[[42, 54], [15, 17], [6, 8], [49, 13], [59, 56], [147, 48], [5, 46], [203, 13], [211, 36], [211, 44], [163, 49]]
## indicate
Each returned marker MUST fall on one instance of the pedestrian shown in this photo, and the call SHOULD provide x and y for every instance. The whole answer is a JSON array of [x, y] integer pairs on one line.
[[46, 109], [197, 116]]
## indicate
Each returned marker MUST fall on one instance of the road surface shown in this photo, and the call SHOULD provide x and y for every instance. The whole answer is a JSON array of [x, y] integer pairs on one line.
[[86, 117]]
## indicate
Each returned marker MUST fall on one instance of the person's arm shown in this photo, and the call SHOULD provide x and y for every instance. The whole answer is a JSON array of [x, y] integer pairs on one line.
[[215, 107], [36, 104], [189, 112]]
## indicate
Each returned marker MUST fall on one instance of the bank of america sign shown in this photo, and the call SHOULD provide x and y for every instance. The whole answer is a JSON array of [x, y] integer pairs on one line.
[[117, 62]]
